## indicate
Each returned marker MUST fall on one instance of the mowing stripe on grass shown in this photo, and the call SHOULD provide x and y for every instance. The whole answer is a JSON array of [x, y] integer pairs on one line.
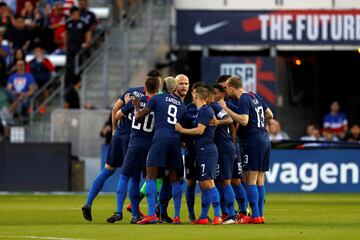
[[39, 237]]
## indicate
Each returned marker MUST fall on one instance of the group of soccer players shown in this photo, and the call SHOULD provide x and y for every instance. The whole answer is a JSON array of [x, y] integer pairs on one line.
[[221, 134]]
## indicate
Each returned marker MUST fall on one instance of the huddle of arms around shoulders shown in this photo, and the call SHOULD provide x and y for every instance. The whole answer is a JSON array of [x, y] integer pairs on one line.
[[199, 130]]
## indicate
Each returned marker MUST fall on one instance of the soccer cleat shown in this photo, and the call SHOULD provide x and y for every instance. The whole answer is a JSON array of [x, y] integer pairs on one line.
[[262, 219], [148, 220], [224, 216], [128, 208], [217, 221], [229, 221], [256, 220], [203, 221], [118, 216], [176, 220], [242, 218], [164, 218], [134, 220], [86, 209]]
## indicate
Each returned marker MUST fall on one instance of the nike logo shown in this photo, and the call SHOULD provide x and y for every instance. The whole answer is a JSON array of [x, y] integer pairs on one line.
[[203, 174], [200, 30]]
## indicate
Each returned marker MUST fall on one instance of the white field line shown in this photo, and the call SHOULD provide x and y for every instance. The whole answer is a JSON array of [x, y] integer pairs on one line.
[[38, 237]]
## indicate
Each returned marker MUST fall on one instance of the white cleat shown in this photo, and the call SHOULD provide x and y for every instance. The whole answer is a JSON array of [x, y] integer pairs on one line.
[[229, 221]]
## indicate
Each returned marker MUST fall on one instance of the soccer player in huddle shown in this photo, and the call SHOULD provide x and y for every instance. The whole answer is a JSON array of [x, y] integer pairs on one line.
[[165, 151], [206, 155], [135, 160], [118, 145], [252, 113], [225, 163]]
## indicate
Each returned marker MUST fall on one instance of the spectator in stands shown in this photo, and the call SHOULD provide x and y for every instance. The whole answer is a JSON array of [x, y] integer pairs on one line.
[[77, 36], [275, 133], [41, 68], [313, 133], [72, 99], [87, 16], [22, 85], [354, 134], [5, 54], [19, 55], [11, 4], [57, 21], [7, 105], [106, 131], [335, 121], [6, 19], [329, 136], [19, 35], [28, 13]]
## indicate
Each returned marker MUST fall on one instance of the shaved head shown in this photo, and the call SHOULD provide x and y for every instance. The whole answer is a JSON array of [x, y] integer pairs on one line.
[[182, 86]]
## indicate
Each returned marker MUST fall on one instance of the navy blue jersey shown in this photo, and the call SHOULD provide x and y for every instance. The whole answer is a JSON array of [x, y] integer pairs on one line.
[[124, 126], [142, 130], [204, 116], [223, 138], [190, 122], [168, 110], [254, 106]]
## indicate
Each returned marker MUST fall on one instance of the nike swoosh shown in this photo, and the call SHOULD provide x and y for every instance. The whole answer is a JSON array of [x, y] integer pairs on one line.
[[203, 174], [199, 30]]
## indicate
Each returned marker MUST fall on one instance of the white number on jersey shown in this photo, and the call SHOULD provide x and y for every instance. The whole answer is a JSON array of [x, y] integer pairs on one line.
[[260, 116], [148, 123], [172, 111]]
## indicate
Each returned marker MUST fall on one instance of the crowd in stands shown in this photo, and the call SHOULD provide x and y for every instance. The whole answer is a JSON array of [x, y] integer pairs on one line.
[[334, 128], [36, 28]]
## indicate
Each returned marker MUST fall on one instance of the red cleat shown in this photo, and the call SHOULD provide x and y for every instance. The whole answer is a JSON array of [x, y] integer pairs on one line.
[[242, 218], [224, 217], [262, 219], [128, 208], [149, 220], [203, 221], [176, 220], [256, 220], [141, 214], [217, 221]]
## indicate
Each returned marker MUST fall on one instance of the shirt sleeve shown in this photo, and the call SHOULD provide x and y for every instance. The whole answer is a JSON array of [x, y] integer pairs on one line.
[[122, 97], [11, 80], [232, 107], [243, 105], [327, 122], [31, 79], [219, 112], [127, 108]]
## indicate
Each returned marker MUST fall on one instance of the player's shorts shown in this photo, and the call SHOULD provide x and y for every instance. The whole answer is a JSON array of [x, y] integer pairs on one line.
[[237, 168], [135, 162], [206, 161], [256, 155], [117, 150], [225, 164], [190, 156], [165, 153]]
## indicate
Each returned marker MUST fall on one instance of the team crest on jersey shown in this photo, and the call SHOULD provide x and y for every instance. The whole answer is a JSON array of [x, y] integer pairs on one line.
[[79, 25], [19, 83], [255, 101]]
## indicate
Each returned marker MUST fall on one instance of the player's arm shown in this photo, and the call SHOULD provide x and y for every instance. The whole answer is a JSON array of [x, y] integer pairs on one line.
[[117, 106], [226, 120], [199, 130], [140, 114], [268, 115], [243, 119]]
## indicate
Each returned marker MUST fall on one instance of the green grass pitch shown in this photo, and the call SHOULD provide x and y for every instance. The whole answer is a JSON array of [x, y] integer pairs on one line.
[[289, 216]]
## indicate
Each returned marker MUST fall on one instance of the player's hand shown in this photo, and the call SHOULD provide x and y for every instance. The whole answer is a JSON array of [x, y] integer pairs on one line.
[[222, 103], [213, 122], [127, 98], [136, 103], [178, 127]]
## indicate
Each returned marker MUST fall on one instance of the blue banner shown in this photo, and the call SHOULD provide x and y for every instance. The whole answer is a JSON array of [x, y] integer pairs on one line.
[[268, 27], [257, 73], [327, 170]]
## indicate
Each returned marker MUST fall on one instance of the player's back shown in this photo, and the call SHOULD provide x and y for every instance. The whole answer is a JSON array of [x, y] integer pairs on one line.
[[253, 105], [168, 110], [141, 130]]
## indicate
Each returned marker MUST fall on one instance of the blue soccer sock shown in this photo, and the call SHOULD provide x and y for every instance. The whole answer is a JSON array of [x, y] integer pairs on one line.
[[190, 200], [98, 184], [151, 196], [229, 197], [215, 201], [261, 190], [243, 189], [176, 194], [253, 196], [205, 203], [134, 195], [121, 192], [223, 207], [240, 196], [164, 196]]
